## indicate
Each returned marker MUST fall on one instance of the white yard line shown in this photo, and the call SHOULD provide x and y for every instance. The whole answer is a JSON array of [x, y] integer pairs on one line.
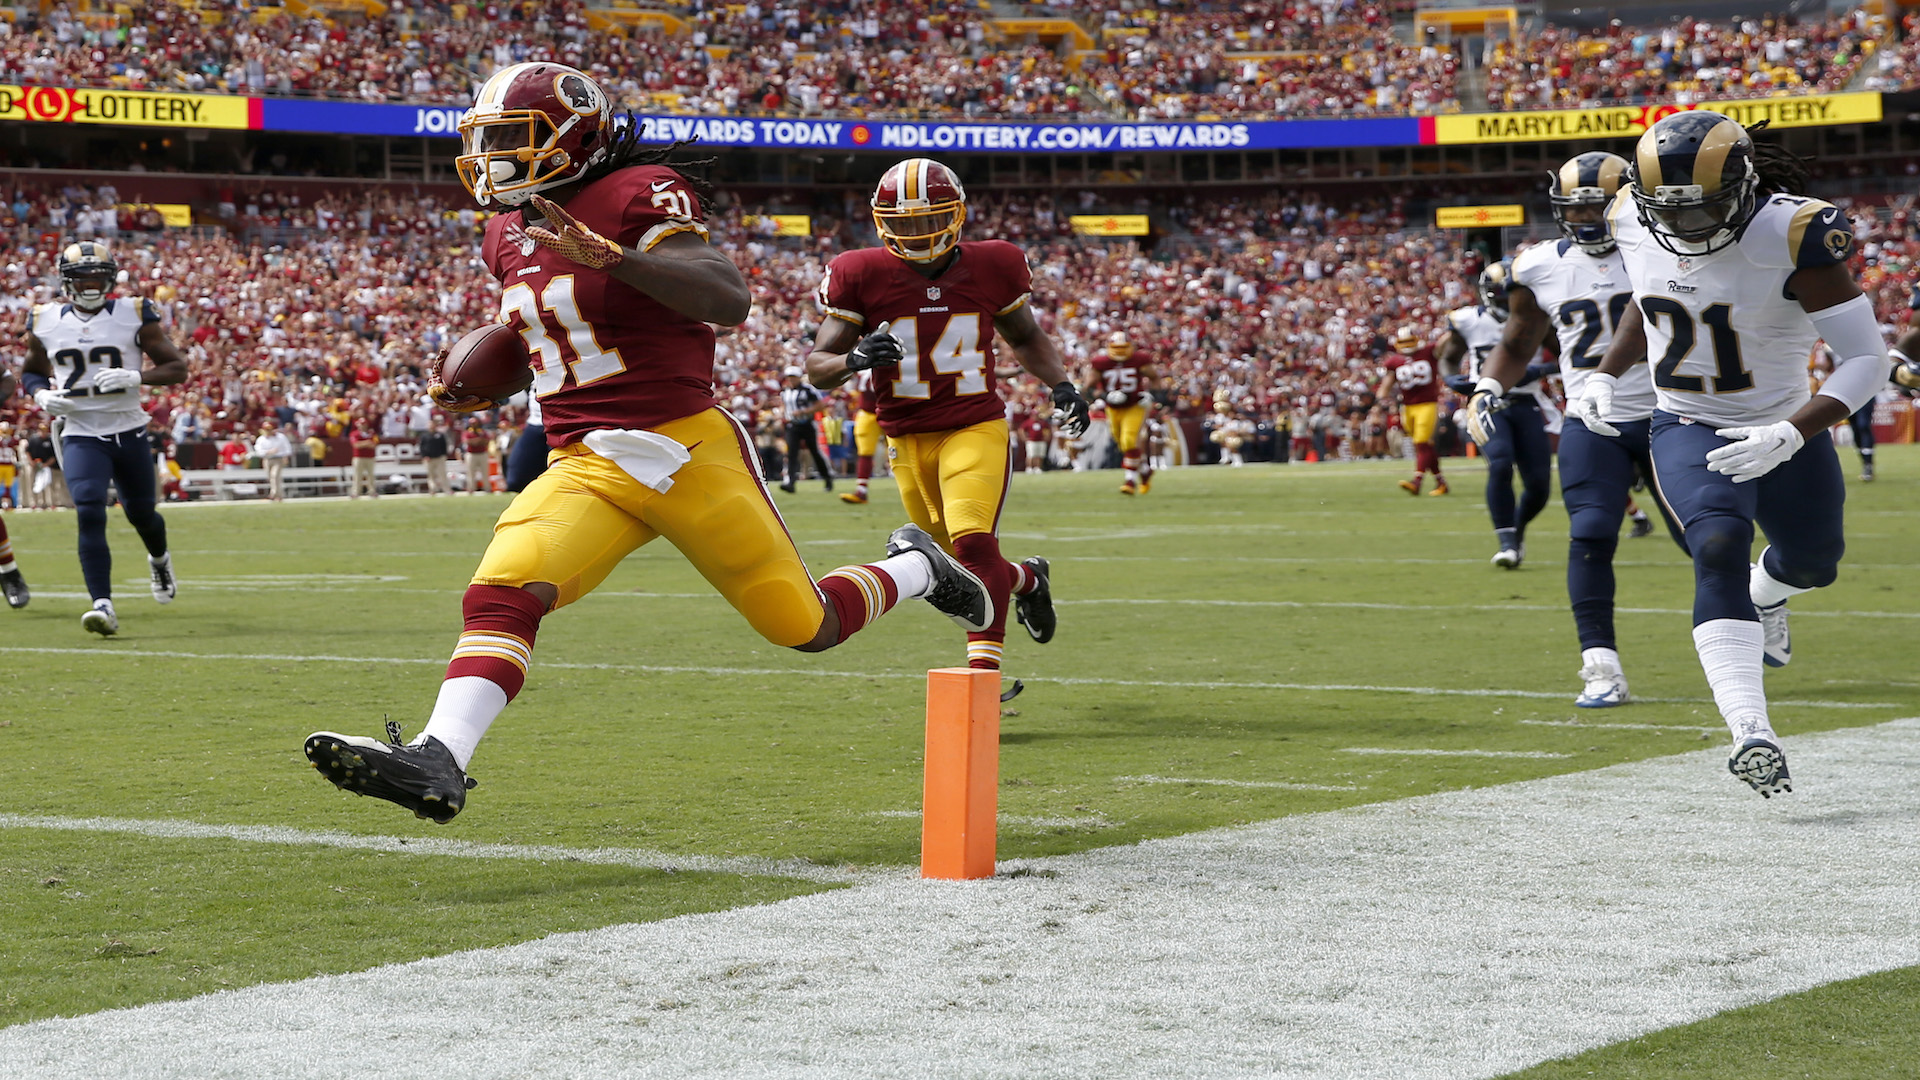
[[1392, 751], [107, 650], [163, 829], [1286, 785], [1449, 937]]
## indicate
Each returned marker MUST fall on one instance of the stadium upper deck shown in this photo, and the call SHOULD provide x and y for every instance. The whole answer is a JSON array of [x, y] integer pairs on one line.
[[950, 58]]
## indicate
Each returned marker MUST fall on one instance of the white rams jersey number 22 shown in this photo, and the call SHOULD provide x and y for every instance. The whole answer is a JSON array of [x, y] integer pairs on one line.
[[80, 346]]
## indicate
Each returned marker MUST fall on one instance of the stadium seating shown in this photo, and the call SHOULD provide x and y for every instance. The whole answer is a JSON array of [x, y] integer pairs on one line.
[[950, 58], [1279, 307]]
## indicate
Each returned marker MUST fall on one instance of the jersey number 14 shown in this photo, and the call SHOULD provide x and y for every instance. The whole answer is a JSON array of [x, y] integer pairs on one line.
[[957, 352]]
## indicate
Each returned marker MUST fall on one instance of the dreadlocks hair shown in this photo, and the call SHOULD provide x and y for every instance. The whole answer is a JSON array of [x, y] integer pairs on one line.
[[625, 149], [1780, 171]]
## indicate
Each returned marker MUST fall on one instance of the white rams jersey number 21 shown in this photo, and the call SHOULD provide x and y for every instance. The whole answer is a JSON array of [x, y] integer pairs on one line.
[[81, 345], [1727, 345]]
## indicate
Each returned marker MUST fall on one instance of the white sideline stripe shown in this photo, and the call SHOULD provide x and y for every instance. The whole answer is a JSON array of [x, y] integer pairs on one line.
[[1610, 725], [1428, 752], [1304, 605], [1064, 680], [1286, 785], [1449, 937], [164, 829]]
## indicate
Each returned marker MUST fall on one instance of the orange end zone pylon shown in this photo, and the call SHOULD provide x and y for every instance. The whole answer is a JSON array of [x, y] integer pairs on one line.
[[962, 773]]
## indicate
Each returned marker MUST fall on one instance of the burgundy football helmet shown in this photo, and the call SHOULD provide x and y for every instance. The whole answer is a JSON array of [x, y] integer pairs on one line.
[[918, 209], [532, 127]]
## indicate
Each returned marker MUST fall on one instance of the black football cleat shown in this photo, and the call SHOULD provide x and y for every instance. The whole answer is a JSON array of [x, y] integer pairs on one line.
[[956, 592], [1035, 610], [425, 779], [15, 588]]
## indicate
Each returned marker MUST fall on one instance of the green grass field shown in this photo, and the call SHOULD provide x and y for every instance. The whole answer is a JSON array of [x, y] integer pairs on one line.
[[1253, 626]]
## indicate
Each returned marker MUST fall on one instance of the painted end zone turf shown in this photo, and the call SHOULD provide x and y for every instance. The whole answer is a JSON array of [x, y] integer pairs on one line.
[[1451, 936]]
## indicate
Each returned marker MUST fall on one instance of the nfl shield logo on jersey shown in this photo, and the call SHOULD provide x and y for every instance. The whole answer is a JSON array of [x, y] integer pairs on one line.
[[933, 292]]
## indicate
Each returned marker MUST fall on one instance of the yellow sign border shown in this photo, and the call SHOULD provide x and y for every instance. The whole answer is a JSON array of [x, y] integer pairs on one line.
[[1631, 121], [1479, 217]]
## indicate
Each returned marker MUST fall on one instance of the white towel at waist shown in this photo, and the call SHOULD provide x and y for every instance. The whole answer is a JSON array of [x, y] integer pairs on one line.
[[647, 456]]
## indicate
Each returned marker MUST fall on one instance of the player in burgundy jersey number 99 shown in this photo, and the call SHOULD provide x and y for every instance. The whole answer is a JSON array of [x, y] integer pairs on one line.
[[921, 312]]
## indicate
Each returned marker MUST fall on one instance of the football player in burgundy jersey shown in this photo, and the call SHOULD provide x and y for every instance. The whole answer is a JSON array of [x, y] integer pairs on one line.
[[1414, 373], [1127, 380], [11, 583], [866, 435], [920, 312], [606, 273]]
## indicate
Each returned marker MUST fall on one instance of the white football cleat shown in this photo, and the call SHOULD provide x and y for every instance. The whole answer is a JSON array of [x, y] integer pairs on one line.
[[163, 583], [1510, 558], [1758, 761], [1605, 687], [1777, 648], [101, 620]]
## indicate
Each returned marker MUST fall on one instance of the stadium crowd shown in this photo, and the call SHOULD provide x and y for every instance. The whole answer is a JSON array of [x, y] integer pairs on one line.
[[1686, 61], [1268, 312], [940, 58]]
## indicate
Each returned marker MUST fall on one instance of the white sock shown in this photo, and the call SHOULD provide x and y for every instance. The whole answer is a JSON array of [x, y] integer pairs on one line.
[[1604, 659], [8, 567], [1767, 590], [911, 574], [1133, 476], [1730, 655], [467, 707]]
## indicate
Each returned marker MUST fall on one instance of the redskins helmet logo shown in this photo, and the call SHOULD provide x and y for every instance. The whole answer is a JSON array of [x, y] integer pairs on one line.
[[578, 94]]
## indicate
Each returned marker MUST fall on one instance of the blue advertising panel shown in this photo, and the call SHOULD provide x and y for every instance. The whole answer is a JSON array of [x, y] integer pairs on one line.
[[357, 118]]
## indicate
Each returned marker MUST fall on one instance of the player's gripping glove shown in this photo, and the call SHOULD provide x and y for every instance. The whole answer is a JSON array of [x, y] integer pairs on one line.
[[877, 349], [444, 396], [53, 402], [1755, 451], [1070, 411], [1906, 370], [1595, 403], [572, 239], [1489, 397], [114, 380]]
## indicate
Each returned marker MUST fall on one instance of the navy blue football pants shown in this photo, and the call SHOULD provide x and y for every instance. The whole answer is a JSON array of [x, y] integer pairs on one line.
[[1800, 505], [1519, 443], [1597, 474], [528, 458], [1861, 422], [126, 461]]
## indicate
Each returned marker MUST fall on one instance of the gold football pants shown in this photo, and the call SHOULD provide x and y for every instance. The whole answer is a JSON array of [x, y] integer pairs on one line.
[[1126, 421], [574, 524], [953, 483]]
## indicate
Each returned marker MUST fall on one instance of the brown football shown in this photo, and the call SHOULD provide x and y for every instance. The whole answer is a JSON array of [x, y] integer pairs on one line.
[[490, 362]]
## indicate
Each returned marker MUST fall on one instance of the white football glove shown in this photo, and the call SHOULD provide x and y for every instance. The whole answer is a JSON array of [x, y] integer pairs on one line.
[[1596, 401], [53, 402], [115, 379], [1755, 451]]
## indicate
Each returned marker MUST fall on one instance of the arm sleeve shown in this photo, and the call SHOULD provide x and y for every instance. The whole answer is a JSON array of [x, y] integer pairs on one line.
[[1860, 365], [839, 293], [661, 204], [1019, 279]]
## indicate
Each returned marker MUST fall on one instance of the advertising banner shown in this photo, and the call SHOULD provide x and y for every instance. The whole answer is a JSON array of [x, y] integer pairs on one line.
[[1479, 217], [57, 105], [1631, 121], [783, 224], [1109, 224]]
